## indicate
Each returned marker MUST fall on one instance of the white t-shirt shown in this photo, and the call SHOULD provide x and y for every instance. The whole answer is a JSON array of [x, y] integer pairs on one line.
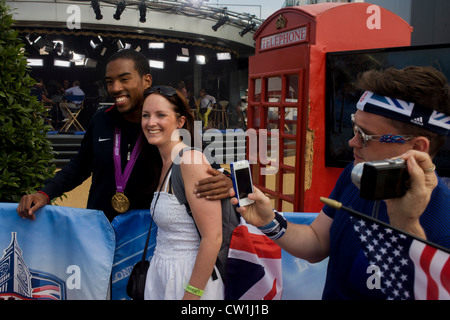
[[76, 91], [207, 102]]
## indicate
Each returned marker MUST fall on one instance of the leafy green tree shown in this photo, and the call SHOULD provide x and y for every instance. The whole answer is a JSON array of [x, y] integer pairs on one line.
[[25, 152]]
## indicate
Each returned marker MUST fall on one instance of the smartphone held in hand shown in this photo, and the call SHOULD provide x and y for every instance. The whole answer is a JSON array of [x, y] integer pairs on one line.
[[242, 181]]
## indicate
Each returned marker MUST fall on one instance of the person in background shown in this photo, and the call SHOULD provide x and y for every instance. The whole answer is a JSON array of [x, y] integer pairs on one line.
[[402, 113], [40, 92], [182, 89], [66, 85], [127, 76], [74, 98], [206, 104], [184, 258], [191, 100]]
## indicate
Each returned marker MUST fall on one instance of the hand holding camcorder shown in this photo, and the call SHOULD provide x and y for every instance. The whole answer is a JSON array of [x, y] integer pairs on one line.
[[380, 180]]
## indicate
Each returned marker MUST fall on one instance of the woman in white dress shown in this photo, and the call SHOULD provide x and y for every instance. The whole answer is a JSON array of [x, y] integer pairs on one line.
[[183, 261]]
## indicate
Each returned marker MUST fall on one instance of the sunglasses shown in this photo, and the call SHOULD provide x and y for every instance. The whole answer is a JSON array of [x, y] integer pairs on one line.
[[386, 138], [164, 90]]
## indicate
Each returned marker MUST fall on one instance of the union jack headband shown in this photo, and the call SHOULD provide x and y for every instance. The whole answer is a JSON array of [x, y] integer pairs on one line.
[[403, 111]]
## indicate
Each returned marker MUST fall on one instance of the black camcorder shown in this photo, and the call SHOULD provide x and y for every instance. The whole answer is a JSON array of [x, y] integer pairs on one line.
[[380, 180]]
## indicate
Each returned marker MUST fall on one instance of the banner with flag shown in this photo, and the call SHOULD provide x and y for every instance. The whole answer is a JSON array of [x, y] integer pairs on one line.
[[68, 254], [65, 254], [131, 230], [302, 280], [409, 268], [254, 270]]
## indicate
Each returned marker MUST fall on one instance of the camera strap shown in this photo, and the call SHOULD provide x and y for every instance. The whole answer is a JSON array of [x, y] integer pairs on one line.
[[375, 210]]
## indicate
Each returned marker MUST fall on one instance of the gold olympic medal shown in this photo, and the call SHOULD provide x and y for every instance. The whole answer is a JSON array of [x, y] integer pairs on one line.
[[120, 202]]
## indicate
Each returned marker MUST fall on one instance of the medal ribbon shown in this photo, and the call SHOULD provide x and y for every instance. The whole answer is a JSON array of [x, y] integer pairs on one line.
[[122, 179]]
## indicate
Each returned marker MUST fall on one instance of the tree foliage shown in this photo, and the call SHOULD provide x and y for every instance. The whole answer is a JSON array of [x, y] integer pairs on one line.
[[25, 151]]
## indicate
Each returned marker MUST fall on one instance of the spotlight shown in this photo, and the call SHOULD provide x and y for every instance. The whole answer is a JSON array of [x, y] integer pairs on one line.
[[78, 59], [96, 42], [96, 7], [119, 44], [157, 64], [250, 27], [67, 55], [156, 45], [43, 45], [221, 22], [61, 63], [223, 56], [183, 58], [90, 63], [119, 9], [200, 59], [142, 11], [31, 38], [58, 47], [35, 62]]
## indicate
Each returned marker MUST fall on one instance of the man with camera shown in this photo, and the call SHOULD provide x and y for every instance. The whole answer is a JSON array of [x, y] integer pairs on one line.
[[402, 113]]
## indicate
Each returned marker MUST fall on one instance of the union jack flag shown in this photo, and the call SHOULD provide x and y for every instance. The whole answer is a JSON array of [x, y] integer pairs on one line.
[[253, 267], [409, 269], [46, 287], [440, 119], [391, 104]]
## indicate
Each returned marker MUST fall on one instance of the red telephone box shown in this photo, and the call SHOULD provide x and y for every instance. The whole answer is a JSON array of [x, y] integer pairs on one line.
[[287, 90]]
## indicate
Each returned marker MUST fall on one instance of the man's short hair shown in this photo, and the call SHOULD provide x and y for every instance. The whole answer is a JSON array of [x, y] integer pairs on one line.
[[141, 63], [422, 85]]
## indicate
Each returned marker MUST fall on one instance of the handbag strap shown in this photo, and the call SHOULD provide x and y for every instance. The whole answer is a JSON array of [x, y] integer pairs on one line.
[[144, 255]]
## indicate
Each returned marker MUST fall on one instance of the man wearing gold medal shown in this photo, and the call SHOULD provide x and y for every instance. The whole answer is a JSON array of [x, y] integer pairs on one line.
[[125, 169]]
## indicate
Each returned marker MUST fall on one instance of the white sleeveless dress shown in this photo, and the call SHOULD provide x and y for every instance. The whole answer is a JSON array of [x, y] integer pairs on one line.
[[177, 244]]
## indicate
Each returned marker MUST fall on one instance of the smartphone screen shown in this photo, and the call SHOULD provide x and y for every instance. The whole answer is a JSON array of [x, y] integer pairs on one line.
[[244, 183]]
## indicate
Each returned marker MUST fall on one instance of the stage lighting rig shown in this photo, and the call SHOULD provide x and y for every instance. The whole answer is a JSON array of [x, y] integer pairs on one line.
[[223, 19], [142, 11], [96, 7], [250, 27], [119, 9]]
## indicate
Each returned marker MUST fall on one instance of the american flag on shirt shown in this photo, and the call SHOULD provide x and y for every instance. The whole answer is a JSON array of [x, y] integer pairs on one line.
[[409, 269], [253, 267]]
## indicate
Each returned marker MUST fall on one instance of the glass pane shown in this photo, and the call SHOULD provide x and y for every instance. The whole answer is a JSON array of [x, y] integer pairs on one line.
[[274, 89], [287, 206], [273, 118], [271, 182], [288, 183], [292, 88], [289, 152], [268, 152], [256, 117], [290, 120], [257, 93]]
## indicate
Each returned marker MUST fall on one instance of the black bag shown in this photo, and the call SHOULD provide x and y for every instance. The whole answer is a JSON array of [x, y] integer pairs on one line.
[[136, 281], [138, 276]]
